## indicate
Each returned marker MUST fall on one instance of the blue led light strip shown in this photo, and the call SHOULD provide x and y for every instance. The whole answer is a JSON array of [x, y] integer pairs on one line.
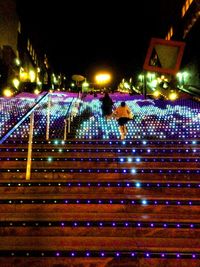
[[101, 224], [111, 143], [100, 150], [122, 171], [6, 135], [102, 201], [113, 160], [104, 184], [102, 254]]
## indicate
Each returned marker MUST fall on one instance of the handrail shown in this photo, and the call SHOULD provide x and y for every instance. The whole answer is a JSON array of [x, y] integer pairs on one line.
[[192, 90], [30, 143], [9, 132], [67, 121], [31, 114], [69, 117], [69, 107], [48, 117]]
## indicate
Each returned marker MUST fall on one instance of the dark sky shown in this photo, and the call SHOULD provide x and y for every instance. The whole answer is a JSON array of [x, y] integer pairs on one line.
[[82, 37]]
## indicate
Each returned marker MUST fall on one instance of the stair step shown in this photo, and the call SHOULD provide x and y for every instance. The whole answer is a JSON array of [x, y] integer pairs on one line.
[[94, 197], [99, 142], [103, 216], [55, 176], [107, 243], [165, 191], [99, 208], [55, 164], [97, 260], [97, 231]]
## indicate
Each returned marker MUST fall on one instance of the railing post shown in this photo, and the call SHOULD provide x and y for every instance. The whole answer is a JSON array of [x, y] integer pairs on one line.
[[68, 124], [65, 129], [48, 117], [30, 142]]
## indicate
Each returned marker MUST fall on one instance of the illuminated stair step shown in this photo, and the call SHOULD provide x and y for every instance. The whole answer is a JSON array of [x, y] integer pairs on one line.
[[130, 159], [73, 142]]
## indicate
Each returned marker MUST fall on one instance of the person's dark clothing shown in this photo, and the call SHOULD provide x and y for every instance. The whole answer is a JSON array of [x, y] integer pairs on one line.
[[123, 121], [107, 104]]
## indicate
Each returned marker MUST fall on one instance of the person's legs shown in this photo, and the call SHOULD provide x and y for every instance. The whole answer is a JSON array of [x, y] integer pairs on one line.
[[122, 127], [108, 117], [125, 129], [121, 130]]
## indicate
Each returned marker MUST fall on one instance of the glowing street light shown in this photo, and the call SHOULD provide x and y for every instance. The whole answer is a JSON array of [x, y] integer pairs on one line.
[[85, 86], [103, 78], [127, 85], [156, 93], [36, 92], [17, 61], [32, 75], [16, 83], [7, 92], [173, 96], [23, 75]]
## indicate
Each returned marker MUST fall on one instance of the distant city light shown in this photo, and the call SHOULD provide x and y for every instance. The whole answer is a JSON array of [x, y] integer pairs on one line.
[[36, 92], [156, 93], [173, 96], [15, 82], [85, 84], [126, 85], [17, 62], [32, 75], [7, 92]]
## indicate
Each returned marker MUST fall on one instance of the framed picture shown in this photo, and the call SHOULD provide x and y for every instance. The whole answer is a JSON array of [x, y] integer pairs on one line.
[[164, 56]]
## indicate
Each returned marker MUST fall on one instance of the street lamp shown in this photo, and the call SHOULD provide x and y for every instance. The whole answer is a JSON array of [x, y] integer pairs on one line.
[[102, 78]]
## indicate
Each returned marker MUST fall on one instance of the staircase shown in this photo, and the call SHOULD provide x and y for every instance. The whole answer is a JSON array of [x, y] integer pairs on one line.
[[100, 203]]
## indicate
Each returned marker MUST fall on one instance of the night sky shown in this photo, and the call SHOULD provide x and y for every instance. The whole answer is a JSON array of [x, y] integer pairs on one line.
[[81, 38]]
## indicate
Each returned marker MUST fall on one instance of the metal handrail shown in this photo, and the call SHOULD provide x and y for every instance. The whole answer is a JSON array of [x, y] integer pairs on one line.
[[67, 121], [48, 117], [9, 132], [69, 118], [30, 143]]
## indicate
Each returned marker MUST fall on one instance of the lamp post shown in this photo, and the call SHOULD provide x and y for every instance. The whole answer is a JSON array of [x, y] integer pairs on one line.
[[145, 85]]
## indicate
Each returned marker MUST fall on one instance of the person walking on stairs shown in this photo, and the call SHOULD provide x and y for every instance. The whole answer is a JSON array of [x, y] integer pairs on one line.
[[107, 104], [123, 114]]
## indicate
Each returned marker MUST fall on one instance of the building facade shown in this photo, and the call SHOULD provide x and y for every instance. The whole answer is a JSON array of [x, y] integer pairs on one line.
[[185, 26], [22, 65]]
